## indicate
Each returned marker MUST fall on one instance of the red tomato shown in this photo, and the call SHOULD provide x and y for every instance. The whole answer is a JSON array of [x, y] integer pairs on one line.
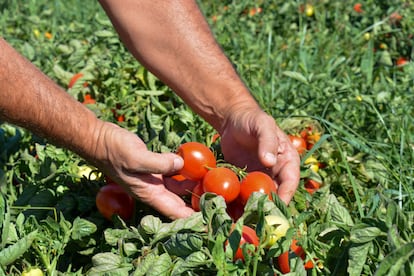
[[256, 182], [283, 261], [112, 199], [235, 209], [248, 236], [298, 143], [358, 8], [401, 61], [395, 17], [88, 99], [198, 159], [308, 265], [195, 197], [297, 249], [312, 185], [74, 79], [222, 181]]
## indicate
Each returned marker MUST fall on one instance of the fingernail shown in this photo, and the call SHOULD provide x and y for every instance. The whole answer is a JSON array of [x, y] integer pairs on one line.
[[270, 158], [178, 163]]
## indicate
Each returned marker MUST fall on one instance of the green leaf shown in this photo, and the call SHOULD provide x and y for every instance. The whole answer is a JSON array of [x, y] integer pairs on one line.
[[297, 76], [112, 236], [150, 224], [219, 257], [109, 264], [104, 33], [161, 266], [183, 244], [394, 262], [357, 258], [145, 263], [82, 228], [366, 234], [193, 223], [337, 212], [367, 62], [192, 262], [16, 250]]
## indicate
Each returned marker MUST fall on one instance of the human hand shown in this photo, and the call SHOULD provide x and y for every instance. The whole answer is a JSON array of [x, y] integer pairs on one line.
[[250, 138], [126, 159]]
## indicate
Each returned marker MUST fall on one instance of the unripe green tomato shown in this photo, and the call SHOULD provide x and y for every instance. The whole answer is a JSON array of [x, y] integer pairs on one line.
[[276, 228], [33, 272]]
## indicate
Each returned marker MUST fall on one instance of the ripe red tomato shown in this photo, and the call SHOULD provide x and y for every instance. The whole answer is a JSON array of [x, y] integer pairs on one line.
[[283, 261], [248, 236], [312, 185], [222, 181], [358, 8], [298, 143], [297, 249], [256, 182], [401, 61], [195, 197], [113, 199], [198, 159]]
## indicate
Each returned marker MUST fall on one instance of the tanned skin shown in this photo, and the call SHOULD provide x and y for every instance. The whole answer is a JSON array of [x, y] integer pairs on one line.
[[173, 40]]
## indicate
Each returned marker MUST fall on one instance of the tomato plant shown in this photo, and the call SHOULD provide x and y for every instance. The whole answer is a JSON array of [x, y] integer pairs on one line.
[[298, 143], [256, 182], [114, 200], [198, 159], [222, 181]]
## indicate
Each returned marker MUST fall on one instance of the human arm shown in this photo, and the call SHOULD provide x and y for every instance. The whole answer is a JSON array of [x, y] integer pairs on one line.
[[30, 99], [174, 41]]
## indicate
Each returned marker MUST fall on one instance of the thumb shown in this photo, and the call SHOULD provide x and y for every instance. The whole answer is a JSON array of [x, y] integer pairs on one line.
[[268, 146], [159, 163]]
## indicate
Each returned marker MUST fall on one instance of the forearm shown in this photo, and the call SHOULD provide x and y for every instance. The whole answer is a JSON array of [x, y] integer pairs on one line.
[[173, 40], [30, 99]]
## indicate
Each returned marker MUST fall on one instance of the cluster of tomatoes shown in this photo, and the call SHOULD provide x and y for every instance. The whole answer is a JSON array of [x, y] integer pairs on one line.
[[303, 142], [200, 165]]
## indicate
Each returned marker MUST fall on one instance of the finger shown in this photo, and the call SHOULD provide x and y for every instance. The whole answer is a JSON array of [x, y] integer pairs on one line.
[[171, 205], [158, 163], [288, 174], [268, 143], [159, 198]]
